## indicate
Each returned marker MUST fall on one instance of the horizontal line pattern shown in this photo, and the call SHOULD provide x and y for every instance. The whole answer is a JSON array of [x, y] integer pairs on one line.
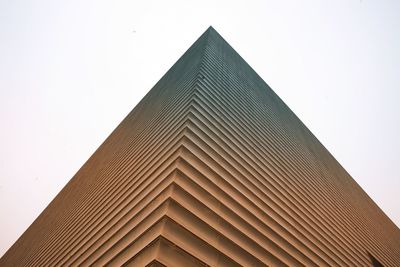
[[211, 168]]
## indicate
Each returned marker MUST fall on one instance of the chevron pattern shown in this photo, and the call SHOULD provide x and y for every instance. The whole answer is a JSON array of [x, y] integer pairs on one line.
[[211, 168]]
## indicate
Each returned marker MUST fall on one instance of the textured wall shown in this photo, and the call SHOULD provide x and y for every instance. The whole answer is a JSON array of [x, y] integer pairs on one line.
[[210, 168]]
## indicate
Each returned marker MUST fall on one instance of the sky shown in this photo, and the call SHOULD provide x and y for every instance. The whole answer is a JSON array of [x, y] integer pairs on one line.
[[70, 71]]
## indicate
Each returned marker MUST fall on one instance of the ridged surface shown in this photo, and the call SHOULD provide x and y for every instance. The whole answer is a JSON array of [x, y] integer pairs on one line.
[[211, 168]]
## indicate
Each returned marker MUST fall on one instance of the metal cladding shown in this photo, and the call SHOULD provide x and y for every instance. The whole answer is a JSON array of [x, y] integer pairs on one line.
[[211, 168]]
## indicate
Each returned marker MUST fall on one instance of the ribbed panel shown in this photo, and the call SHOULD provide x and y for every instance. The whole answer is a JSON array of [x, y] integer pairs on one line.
[[211, 168]]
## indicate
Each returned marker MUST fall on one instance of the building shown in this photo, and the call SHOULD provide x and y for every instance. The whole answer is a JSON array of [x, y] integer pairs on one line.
[[210, 168]]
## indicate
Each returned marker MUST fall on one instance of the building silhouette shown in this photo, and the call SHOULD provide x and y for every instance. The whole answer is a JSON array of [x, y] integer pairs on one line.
[[211, 168]]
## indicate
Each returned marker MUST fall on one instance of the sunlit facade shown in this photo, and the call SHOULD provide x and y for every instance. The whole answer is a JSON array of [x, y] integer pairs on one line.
[[211, 168]]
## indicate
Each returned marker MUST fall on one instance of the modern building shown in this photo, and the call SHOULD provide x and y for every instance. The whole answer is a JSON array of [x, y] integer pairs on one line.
[[211, 168]]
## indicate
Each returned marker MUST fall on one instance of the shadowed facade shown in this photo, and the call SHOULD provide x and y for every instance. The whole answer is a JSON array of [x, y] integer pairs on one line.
[[211, 168]]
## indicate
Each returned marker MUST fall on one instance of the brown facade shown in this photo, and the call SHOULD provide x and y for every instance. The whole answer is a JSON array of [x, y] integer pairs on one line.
[[210, 168]]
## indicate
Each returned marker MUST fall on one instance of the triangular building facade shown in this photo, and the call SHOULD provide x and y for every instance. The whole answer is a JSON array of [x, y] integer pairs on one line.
[[211, 168]]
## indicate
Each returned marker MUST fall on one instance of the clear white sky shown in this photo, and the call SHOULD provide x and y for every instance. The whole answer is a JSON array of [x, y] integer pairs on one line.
[[70, 71]]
